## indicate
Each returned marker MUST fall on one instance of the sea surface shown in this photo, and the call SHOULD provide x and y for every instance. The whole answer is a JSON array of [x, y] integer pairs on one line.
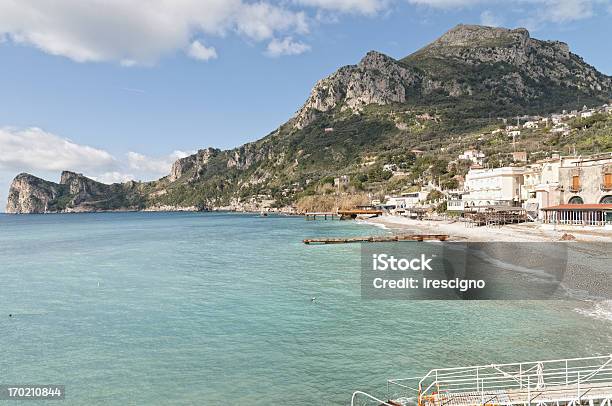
[[214, 309]]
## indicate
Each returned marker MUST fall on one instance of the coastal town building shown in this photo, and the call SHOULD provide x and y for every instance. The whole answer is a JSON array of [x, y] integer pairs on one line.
[[586, 180], [406, 200], [579, 215], [553, 188], [541, 187], [498, 186], [455, 202]]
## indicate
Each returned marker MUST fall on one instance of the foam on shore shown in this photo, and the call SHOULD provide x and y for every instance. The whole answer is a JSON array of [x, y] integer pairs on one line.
[[599, 310]]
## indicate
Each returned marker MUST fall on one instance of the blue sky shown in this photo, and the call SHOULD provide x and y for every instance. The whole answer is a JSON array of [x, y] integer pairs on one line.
[[118, 90]]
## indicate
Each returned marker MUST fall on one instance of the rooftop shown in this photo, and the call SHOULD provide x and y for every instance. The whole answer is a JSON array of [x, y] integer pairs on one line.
[[598, 206]]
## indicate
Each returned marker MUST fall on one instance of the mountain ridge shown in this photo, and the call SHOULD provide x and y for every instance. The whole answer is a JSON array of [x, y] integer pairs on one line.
[[378, 106]]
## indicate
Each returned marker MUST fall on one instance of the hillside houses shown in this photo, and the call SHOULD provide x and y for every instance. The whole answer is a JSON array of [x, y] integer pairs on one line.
[[557, 123]]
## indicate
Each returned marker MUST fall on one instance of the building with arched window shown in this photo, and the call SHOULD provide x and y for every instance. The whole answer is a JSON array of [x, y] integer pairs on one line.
[[587, 180], [584, 193]]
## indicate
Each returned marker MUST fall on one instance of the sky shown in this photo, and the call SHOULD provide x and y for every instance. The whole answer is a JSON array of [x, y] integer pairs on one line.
[[118, 90]]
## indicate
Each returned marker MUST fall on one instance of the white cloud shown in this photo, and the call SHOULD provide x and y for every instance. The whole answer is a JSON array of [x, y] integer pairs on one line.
[[159, 166], [488, 18], [367, 7], [199, 51], [287, 46], [138, 31], [35, 149], [113, 177], [560, 11], [260, 21]]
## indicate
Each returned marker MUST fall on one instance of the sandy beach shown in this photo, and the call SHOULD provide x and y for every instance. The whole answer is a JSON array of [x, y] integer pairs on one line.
[[458, 230]]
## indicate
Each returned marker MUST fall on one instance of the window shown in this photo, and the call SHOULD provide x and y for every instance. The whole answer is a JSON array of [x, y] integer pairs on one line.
[[575, 182], [608, 180], [576, 200]]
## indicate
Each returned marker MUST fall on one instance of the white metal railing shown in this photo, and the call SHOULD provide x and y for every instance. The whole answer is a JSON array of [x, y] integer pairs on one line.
[[524, 380], [369, 397]]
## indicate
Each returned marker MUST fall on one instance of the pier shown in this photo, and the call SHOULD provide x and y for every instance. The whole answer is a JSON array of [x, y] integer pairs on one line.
[[562, 382], [325, 215], [343, 214], [382, 238]]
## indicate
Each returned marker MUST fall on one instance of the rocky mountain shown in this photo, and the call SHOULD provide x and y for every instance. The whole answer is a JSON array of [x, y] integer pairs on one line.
[[380, 107], [470, 68], [74, 193]]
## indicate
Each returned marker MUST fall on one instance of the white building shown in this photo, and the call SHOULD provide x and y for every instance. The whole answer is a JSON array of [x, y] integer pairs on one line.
[[531, 124], [407, 200], [472, 155], [455, 201], [499, 186]]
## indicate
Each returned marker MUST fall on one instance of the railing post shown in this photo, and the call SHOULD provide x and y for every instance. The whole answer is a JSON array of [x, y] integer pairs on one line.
[[528, 390], [566, 374], [482, 400], [578, 386]]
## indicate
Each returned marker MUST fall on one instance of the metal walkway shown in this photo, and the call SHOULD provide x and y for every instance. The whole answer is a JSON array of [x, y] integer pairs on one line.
[[564, 382]]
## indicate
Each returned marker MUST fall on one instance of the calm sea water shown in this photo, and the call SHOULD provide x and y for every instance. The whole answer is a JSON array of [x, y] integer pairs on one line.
[[212, 309]]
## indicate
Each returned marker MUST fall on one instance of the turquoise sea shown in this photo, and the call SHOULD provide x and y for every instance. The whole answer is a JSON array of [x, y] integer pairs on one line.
[[213, 309]]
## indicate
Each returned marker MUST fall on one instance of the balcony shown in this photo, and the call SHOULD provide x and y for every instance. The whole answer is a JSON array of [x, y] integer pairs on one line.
[[574, 189], [606, 187]]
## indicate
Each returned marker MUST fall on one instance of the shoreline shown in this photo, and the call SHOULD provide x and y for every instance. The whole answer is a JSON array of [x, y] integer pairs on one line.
[[458, 231]]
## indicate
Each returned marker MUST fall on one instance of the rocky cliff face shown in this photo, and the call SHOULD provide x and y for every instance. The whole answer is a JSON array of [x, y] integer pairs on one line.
[[75, 192], [495, 65], [192, 164], [377, 79], [530, 67], [29, 194]]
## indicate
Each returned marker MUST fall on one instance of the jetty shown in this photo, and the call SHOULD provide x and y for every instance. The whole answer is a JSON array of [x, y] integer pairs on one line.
[[313, 215], [561, 382], [381, 238], [362, 212], [343, 214]]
